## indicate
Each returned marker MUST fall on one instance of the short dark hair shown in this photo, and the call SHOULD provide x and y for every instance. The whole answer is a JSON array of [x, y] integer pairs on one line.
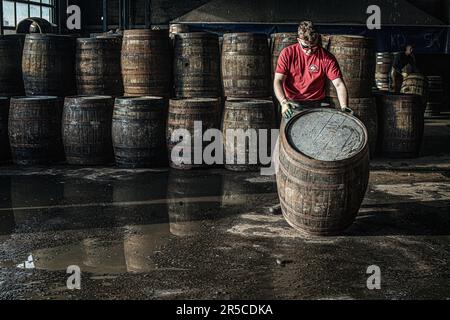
[[307, 32]]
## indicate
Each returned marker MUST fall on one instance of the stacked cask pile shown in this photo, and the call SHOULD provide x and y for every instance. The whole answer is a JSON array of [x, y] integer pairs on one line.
[[246, 75], [384, 61], [356, 57], [196, 106]]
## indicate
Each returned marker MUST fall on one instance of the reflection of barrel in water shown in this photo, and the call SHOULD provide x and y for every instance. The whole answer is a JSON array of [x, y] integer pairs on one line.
[[32, 198], [235, 191], [104, 256], [192, 198], [57, 258], [141, 243], [141, 200]]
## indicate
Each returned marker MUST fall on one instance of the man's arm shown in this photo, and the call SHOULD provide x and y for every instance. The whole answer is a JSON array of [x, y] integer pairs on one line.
[[278, 86], [342, 92]]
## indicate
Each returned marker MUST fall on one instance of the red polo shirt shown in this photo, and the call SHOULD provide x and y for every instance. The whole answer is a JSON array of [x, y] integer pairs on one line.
[[306, 75]]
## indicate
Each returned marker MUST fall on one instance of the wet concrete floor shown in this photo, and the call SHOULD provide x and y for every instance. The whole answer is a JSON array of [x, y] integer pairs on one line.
[[161, 234]]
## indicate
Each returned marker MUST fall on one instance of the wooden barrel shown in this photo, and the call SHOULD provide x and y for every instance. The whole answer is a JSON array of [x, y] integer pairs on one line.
[[35, 129], [435, 96], [34, 25], [5, 152], [323, 171], [146, 62], [11, 48], [242, 117], [402, 125], [183, 113], [98, 69], [139, 131], [365, 109], [278, 43], [246, 65], [356, 59], [177, 28], [48, 65], [197, 65], [87, 130], [416, 83], [383, 68]]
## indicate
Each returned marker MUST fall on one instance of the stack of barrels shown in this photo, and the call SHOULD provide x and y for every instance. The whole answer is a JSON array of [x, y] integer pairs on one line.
[[196, 106], [246, 75], [435, 96], [384, 61], [356, 57]]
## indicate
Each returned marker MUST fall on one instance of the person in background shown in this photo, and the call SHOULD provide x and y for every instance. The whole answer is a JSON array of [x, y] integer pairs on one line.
[[302, 73], [404, 64]]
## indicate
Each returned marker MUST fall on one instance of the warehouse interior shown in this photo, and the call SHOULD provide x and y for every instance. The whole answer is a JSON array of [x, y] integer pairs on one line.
[[213, 232]]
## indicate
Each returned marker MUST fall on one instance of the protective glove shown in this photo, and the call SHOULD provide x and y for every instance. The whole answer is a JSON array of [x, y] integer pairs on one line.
[[287, 109], [347, 110]]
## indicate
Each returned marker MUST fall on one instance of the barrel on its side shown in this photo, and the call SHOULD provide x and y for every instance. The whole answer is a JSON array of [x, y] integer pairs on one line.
[[184, 114], [356, 58], [87, 130], [243, 121], [48, 65], [246, 65], [139, 131], [321, 189], [435, 96], [98, 69], [5, 152], [146, 62], [35, 129], [197, 65], [402, 125], [365, 109], [278, 43], [11, 48]]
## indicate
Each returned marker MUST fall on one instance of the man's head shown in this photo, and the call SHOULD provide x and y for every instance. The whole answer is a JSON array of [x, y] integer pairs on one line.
[[409, 49], [308, 37]]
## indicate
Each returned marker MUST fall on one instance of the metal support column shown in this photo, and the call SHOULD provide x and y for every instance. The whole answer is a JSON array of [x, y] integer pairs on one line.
[[105, 15], [147, 14], [1, 17], [121, 14], [126, 14]]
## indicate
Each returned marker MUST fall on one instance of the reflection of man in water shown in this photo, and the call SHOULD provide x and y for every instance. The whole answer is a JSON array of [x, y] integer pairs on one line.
[[404, 64]]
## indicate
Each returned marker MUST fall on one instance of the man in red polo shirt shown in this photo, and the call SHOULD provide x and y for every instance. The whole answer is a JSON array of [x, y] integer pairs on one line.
[[302, 72]]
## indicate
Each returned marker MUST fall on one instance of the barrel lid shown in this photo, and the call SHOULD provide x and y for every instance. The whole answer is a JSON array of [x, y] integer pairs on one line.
[[35, 98], [93, 98], [47, 35], [139, 99], [326, 135]]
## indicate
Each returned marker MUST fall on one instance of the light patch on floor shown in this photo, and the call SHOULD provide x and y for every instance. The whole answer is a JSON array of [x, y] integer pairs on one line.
[[422, 191]]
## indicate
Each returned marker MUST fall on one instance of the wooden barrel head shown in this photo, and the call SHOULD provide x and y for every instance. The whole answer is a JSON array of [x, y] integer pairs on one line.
[[326, 135]]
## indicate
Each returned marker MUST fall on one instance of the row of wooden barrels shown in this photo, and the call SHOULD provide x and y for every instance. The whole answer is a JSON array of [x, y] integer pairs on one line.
[[139, 130], [141, 63]]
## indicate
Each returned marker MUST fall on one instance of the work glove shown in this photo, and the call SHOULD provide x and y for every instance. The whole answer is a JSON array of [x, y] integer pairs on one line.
[[287, 109], [347, 110]]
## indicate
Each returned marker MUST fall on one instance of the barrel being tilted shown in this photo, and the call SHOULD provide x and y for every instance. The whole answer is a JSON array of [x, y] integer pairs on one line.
[[323, 171]]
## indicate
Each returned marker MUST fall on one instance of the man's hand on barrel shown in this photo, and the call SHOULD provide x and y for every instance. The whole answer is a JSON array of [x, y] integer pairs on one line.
[[347, 110], [287, 109]]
